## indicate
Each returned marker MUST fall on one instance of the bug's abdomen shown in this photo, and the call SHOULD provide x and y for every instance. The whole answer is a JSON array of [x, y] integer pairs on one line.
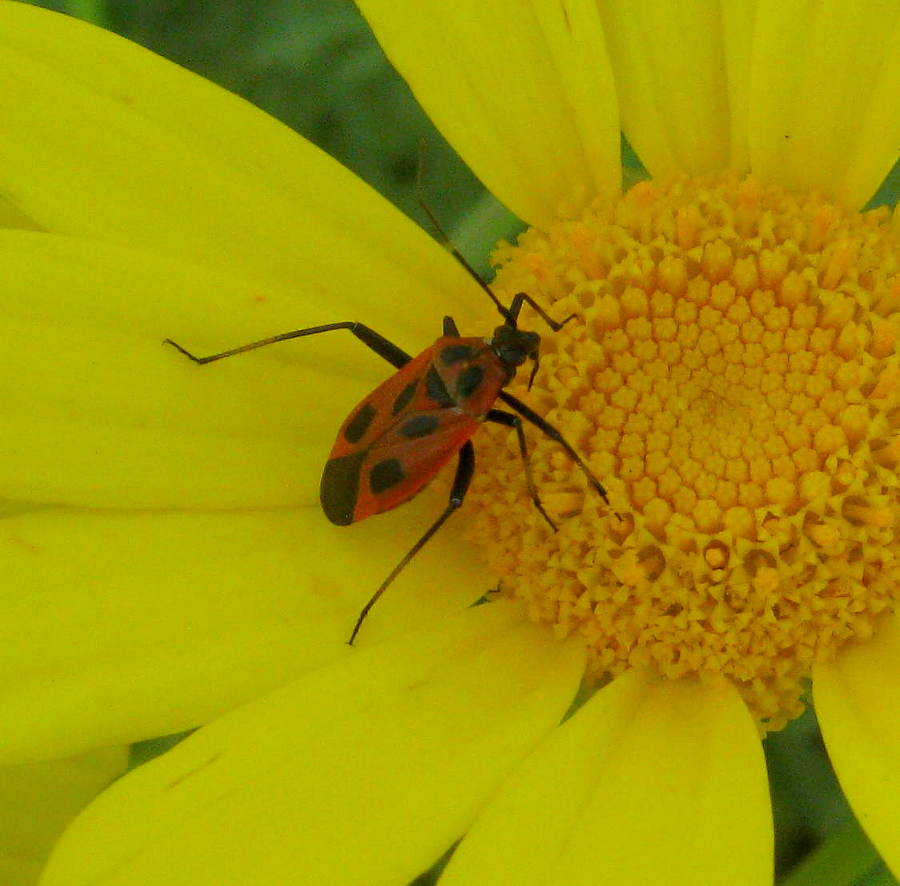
[[393, 443], [339, 489], [395, 467]]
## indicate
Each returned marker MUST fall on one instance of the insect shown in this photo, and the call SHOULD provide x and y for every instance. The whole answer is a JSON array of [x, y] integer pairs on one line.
[[398, 438]]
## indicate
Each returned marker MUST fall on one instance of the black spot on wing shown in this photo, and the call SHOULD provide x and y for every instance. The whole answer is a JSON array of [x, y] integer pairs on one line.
[[404, 397], [420, 426], [437, 390], [385, 474], [455, 354], [359, 424], [469, 381], [339, 488]]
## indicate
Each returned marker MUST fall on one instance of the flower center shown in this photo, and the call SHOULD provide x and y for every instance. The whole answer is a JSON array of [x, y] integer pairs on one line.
[[733, 380]]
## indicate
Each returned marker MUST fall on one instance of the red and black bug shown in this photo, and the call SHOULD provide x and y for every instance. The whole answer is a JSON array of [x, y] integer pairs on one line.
[[398, 438]]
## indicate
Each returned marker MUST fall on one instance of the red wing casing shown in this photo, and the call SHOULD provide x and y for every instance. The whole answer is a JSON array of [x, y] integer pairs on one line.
[[393, 443]]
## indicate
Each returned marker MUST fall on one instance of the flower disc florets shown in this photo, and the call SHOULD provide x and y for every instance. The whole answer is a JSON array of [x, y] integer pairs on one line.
[[734, 382]]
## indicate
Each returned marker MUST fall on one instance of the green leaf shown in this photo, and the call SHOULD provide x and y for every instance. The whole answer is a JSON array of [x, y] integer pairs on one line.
[[846, 858]]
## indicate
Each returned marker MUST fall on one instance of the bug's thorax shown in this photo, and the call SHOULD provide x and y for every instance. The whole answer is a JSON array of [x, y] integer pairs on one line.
[[471, 372]]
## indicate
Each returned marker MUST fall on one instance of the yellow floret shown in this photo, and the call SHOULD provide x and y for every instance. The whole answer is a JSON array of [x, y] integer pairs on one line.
[[734, 380]]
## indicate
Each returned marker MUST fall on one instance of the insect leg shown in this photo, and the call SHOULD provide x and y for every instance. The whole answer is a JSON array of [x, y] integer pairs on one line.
[[464, 471], [554, 434], [498, 416], [450, 327], [371, 339], [521, 298]]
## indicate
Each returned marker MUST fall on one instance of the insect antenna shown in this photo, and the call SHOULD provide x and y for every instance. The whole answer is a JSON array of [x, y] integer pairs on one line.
[[507, 315]]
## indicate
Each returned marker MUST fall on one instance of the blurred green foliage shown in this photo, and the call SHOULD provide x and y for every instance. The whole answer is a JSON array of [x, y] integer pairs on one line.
[[315, 65]]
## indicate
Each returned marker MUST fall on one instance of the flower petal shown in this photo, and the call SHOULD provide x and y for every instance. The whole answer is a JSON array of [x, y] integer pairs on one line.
[[361, 773], [10, 217], [98, 412], [104, 139], [856, 703], [672, 78], [38, 800], [876, 149], [523, 91], [824, 93], [121, 626], [738, 20], [634, 788]]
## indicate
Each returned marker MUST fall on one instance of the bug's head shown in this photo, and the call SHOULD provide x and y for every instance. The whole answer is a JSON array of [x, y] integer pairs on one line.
[[515, 346]]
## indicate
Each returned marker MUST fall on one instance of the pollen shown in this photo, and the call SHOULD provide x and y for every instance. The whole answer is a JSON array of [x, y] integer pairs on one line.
[[732, 378]]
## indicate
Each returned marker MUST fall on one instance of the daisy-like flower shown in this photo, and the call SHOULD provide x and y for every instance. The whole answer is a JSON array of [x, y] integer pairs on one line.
[[732, 377]]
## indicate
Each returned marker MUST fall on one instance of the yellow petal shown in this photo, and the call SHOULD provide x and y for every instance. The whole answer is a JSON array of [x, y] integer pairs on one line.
[[738, 20], [670, 69], [634, 788], [876, 149], [122, 626], [362, 773], [103, 139], [856, 703], [98, 412], [522, 90], [38, 800], [824, 95], [10, 217]]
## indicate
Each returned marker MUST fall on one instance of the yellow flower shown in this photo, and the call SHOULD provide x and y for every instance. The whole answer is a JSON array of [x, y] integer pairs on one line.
[[732, 377]]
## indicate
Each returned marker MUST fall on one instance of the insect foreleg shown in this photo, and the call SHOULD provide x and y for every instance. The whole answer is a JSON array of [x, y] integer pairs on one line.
[[464, 471], [371, 339], [521, 298], [554, 434], [498, 416]]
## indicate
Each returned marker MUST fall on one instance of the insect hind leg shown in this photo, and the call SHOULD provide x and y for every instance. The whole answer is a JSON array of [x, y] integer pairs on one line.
[[385, 348], [464, 472]]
